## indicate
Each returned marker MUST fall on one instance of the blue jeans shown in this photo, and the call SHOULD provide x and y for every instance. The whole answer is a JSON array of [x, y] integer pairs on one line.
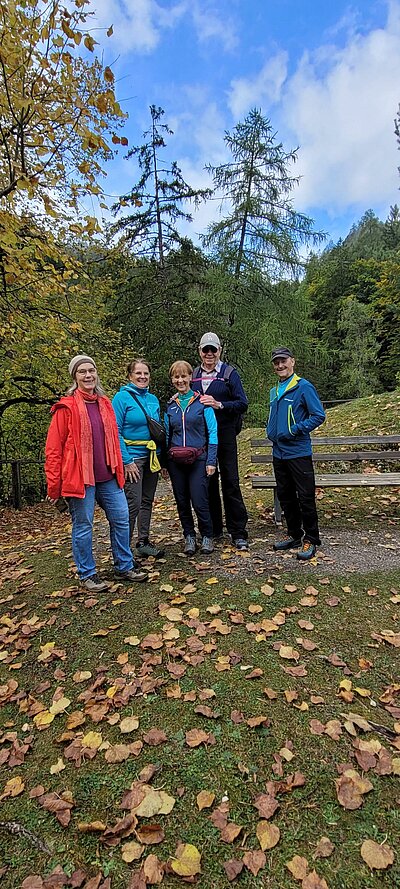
[[111, 498]]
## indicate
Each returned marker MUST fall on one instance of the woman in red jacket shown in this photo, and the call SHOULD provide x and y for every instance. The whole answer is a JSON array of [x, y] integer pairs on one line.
[[84, 465]]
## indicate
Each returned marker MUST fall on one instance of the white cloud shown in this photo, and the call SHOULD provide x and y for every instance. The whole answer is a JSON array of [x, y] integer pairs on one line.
[[211, 26], [262, 89], [340, 107], [137, 24]]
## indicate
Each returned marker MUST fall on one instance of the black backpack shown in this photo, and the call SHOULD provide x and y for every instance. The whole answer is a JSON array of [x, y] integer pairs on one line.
[[226, 378]]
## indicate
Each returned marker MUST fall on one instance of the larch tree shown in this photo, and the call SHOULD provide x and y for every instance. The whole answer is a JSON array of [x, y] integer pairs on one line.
[[158, 197], [260, 230]]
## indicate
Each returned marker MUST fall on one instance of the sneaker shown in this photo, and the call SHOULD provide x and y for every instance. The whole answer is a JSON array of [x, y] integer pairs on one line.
[[190, 545], [147, 549], [207, 545], [287, 543], [94, 584], [307, 551], [241, 544], [132, 576]]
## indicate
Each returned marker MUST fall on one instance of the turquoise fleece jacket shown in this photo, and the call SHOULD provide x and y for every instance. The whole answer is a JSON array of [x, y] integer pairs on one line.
[[293, 414], [131, 420]]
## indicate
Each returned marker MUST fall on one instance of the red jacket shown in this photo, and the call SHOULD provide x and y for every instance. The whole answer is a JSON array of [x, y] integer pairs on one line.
[[63, 463]]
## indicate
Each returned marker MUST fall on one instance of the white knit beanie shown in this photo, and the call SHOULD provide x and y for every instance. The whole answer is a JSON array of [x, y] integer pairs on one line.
[[76, 361]]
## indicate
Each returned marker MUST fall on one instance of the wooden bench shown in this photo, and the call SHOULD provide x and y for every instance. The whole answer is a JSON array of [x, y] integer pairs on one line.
[[388, 452]]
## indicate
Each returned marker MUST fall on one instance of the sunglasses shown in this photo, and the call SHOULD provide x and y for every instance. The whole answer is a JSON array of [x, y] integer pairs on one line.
[[212, 349]]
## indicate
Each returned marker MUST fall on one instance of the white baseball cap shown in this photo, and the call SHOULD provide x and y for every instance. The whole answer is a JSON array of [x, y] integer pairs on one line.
[[210, 339]]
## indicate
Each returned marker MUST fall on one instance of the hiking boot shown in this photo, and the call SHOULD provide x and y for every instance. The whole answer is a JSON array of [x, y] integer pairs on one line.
[[241, 544], [132, 576], [287, 543], [218, 538], [307, 551], [190, 545], [147, 549], [207, 545], [94, 584]]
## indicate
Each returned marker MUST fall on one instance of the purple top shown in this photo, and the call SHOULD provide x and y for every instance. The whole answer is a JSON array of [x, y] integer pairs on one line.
[[101, 471]]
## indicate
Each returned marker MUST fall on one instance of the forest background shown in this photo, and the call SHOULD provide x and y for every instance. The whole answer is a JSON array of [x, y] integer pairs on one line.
[[260, 276]]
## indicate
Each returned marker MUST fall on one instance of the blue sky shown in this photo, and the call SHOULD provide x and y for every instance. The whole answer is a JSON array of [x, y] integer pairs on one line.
[[326, 73]]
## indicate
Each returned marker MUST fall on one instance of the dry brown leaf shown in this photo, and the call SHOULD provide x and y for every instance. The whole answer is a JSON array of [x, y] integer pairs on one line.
[[254, 861], [233, 868], [378, 856], [230, 832], [150, 833], [268, 835], [91, 826], [313, 881], [13, 787], [154, 737], [131, 852], [205, 799], [153, 870], [324, 848], [129, 724], [196, 736], [298, 867], [266, 805]]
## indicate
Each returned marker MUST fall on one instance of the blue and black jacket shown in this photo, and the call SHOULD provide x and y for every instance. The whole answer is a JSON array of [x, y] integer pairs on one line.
[[194, 427], [292, 416], [228, 389]]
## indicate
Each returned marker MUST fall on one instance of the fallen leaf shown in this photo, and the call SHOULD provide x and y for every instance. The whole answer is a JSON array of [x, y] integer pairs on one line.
[[233, 868], [324, 848], [254, 861], [298, 867], [13, 787], [150, 833], [313, 881], [131, 852], [378, 856], [268, 835], [230, 832], [153, 870], [129, 724], [205, 799], [186, 862], [266, 805]]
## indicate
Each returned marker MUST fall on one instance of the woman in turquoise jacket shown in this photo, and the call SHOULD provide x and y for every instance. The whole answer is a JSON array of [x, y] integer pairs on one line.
[[139, 452]]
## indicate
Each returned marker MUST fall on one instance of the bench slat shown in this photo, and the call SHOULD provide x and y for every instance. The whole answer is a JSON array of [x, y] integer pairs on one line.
[[381, 440], [340, 457], [342, 480]]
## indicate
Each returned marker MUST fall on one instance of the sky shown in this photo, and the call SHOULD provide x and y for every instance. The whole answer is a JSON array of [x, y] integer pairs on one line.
[[325, 72]]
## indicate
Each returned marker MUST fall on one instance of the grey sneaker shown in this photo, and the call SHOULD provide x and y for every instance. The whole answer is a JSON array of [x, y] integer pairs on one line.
[[207, 545], [94, 584], [132, 576], [190, 545], [241, 544], [147, 549]]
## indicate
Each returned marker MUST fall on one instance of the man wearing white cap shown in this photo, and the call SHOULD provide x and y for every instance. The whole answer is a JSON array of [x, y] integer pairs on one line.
[[222, 389]]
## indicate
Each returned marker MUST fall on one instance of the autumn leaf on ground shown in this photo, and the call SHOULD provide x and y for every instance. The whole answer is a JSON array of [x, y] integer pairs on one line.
[[350, 788], [129, 724], [14, 786], [186, 862], [254, 861], [230, 832], [150, 833], [268, 835], [298, 867], [324, 848], [378, 856], [131, 852], [266, 805], [205, 799], [153, 869], [195, 736], [313, 881], [233, 868]]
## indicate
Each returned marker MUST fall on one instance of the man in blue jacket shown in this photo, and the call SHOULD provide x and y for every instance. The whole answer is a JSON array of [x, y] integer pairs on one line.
[[294, 411], [221, 388]]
